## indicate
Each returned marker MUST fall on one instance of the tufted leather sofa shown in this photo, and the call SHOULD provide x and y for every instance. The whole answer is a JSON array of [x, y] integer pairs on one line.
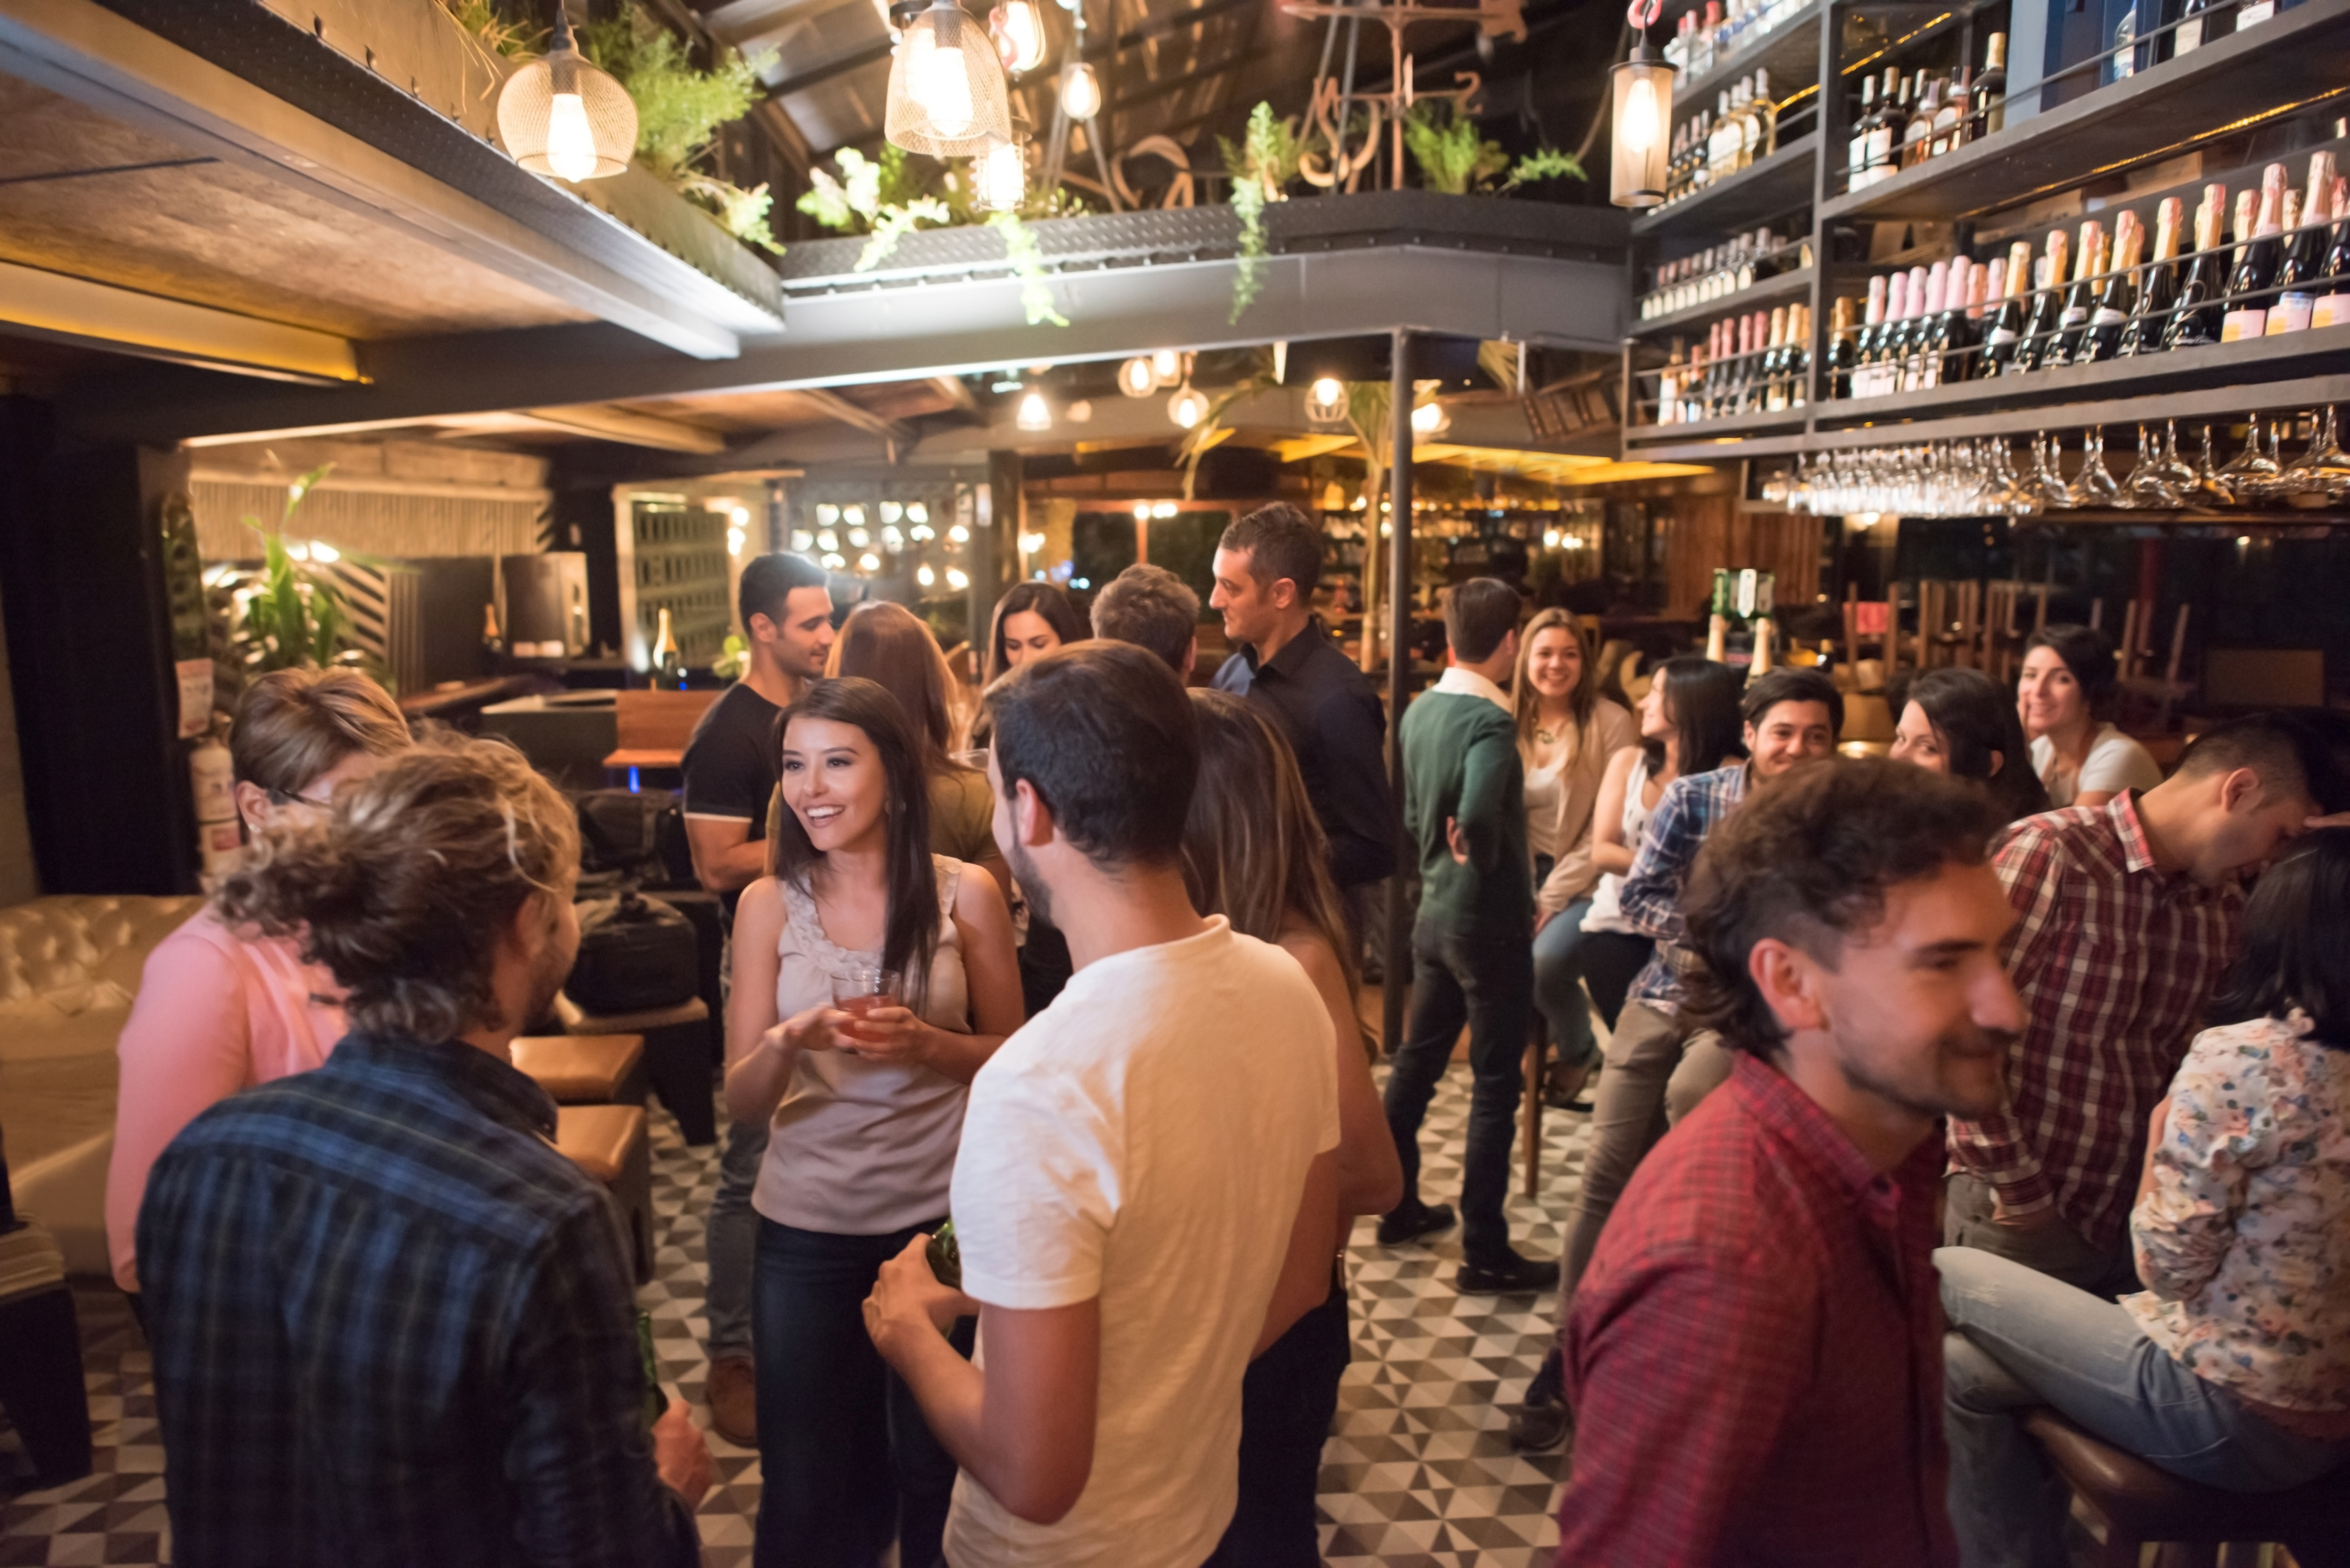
[[69, 968]]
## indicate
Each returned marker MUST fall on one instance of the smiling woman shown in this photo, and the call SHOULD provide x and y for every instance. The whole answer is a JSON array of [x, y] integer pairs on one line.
[[865, 1112]]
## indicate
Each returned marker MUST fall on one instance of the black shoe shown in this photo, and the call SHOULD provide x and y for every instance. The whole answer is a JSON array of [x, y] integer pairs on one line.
[[1510, 1276], [1538, 1427], [1414, 1222]]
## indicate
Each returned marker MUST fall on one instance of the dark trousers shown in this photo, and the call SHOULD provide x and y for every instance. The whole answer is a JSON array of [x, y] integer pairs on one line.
[[845, 1458], [1488, 984], [1287, 1402], [1611, 961]]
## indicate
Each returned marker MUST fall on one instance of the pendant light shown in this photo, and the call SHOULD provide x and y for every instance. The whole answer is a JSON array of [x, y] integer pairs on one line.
[[1431, 419], [1135, 377], [1325, 401], [1188, 407], [1018, 29], [1081, 93], [999, 178], [1642, 87], [563, 116], [1168, 369], [1035, 414], [946, 87]]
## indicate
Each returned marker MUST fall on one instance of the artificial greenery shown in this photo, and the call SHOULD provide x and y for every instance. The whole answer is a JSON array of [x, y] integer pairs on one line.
[[1260, 167], [1454, 157], [883, 198], [1027, 259]]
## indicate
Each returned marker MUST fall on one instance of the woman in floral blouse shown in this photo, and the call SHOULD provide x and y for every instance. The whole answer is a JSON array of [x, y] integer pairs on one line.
[[2232, 1367]]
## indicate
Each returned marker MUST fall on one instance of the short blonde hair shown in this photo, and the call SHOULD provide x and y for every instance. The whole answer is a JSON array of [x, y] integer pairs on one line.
[[294, 724], [405, 890]]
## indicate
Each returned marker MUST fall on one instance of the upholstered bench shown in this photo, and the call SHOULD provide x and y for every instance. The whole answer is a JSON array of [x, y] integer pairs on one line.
[[609, 1143], [680, 1058], [585, 1069], [2139, 1503]]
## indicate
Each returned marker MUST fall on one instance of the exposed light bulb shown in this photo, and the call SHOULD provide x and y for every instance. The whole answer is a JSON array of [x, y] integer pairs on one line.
[[802, 539], [892, 539], [1640, 131], [958, 535], [937, 80], [1080, 412], [916, 512], [1036, 413], [834, 563], [1550, 538], [1081, 93], [957, 579], [1430, 419], [859, 538], [1166, 368], [1188, 407], [869, 562], [1018, 29], [1143, 512], [326, 554], [927, 578], [1135, 377], [1326, 397], [570, 145], [826, 514], [1003, 177], [853, 515], [891, 510], [1163, 509], [829, 540]]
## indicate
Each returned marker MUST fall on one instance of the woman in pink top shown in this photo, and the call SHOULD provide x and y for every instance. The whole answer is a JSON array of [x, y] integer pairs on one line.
[[218, 1012]]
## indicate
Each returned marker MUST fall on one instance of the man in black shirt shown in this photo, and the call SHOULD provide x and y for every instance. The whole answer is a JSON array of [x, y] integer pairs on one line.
[[732, 764], [1267, 565]]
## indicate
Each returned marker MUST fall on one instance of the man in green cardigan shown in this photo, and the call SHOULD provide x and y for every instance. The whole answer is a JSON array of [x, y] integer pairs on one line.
[[1473, 954]]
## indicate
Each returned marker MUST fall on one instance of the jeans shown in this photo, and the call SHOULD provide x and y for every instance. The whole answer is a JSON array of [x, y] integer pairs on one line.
[[1611, 961], [1287, 1401], [1486, 983], [1627, 1118], [846, 1459], [2020, 1339], [731, 1238], [2055, 1248], [1559, 984]]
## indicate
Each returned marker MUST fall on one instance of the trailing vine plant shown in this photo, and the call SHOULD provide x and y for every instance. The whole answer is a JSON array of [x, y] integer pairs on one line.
[[882, 198], [1261, 168], [679, 107]]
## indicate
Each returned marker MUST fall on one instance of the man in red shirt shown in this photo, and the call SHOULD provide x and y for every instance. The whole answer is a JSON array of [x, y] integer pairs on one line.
[[1755, 1353]]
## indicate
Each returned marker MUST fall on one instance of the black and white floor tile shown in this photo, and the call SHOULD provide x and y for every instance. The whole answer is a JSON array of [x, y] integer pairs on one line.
[[1419, 1471]]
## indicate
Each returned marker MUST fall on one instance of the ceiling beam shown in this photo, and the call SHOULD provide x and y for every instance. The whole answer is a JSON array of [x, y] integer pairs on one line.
[[895, 431], [630, 427], [52, 306], [459, 195], [950, 326]]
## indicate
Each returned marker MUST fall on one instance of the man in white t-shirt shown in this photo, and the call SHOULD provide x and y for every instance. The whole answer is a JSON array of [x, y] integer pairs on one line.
[[1145, 1192]]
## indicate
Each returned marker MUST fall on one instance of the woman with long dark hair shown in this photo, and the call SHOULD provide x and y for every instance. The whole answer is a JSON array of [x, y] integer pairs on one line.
[[1959, 721], [2065, 702], [1032, 618], [865, 1111], [1568, 734], [1253, 853], [2232, 1367]]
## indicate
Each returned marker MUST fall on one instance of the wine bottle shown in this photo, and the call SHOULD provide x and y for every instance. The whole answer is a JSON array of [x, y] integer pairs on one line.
[[1951, 117], [1918, 136], [2005, 325], [1774, 364], [2256, 263], [2305, 259], [2195, 319], [669, 671], [2047, 305], [2252, 12], [1721, 142], [1799, 354], [2332, 308], [1988, 112], [1885, 132], [2187, 36], [2157, 290], [1765, 117], [1885, 377], [2073, 321], [1842, 356], [2112, 313], [1926, 306], [1856, 153]]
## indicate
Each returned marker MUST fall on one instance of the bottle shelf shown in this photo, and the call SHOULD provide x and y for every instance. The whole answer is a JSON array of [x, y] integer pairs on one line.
[[1728, 425], [1790, 52], [1764, 189], [1795, 284], [2292, 63]]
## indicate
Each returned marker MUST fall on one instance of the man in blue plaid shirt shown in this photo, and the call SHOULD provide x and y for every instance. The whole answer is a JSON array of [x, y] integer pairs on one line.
[[390, 1324]]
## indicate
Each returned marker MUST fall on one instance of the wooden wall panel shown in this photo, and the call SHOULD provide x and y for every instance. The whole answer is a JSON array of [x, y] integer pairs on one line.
[[1703, 532]]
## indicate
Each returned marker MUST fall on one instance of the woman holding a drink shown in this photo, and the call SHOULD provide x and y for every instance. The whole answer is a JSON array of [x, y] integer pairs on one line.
[[872, 979]]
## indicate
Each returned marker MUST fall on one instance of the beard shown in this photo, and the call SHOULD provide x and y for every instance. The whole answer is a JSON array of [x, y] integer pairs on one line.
[[1938, 1090], [1032, 887]]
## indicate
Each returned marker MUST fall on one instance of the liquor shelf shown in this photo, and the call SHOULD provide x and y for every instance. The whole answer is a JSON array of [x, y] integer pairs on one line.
[[1764, 189], [2292, 63], [1790, 52], [1792, 285]]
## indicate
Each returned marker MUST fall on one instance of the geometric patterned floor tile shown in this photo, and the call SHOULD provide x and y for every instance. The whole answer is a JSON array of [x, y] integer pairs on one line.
[[1419, 1470]]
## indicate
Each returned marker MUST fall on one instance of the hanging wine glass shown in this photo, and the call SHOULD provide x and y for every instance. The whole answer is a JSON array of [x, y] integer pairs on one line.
[[2095, 486], [2320, 475], [2248, 474], [2146, 485], [2209, 489], [2176, 470]]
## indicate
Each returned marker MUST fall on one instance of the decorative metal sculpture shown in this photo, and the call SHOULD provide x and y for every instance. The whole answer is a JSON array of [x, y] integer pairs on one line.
[[1332, 101]]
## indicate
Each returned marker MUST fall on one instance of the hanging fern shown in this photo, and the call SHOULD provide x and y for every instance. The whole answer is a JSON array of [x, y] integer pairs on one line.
[[1543, 163], [1452, 156], [1266, 161], [894, 223]]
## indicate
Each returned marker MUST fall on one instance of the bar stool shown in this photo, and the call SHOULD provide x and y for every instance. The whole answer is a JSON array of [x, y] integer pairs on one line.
[[2139, 1504], [609, 1143], [678, 1058], [585, 1069]]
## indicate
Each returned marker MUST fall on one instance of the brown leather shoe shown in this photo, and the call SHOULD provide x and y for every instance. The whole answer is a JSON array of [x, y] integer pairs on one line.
[[734, 1396]]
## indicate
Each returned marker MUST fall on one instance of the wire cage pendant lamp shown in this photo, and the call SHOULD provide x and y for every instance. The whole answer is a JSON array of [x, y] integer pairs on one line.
[[1642, 92], [946, 94], [562, 115]]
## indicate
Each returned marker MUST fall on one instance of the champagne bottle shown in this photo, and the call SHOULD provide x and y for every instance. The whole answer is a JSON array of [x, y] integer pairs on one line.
[[2305, 259], [2158, 289], [1988, 113], [1774, 364], [1948, 333], [2005, 328], [1842, 356], [2104, 338], [2256, 263], [2073, 321], [1926, 305], [1861, 383], [1799, 354], [2196, 319], [2047, 306], [669, 669], [2332, 308]]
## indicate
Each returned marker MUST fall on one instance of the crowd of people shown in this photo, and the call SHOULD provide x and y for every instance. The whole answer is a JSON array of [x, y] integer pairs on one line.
[[1916, 1101]]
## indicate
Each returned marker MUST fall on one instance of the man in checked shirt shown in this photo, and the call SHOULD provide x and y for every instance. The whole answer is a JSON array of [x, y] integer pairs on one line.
[[2128, 917]]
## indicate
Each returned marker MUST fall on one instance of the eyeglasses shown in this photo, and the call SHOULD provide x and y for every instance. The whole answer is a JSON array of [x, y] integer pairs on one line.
[[288, 798]]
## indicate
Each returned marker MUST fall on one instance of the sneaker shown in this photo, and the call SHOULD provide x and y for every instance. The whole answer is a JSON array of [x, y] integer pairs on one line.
[[1539, 1425], [1511, 1276], [1414, 1222], [733, 1394]]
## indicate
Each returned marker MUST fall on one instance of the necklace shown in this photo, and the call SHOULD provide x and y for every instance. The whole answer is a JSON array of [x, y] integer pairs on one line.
[[1547, 737]]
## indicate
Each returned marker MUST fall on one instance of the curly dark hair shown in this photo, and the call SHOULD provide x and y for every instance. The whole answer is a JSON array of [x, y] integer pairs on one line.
[[1808, 859], [405, 890]]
